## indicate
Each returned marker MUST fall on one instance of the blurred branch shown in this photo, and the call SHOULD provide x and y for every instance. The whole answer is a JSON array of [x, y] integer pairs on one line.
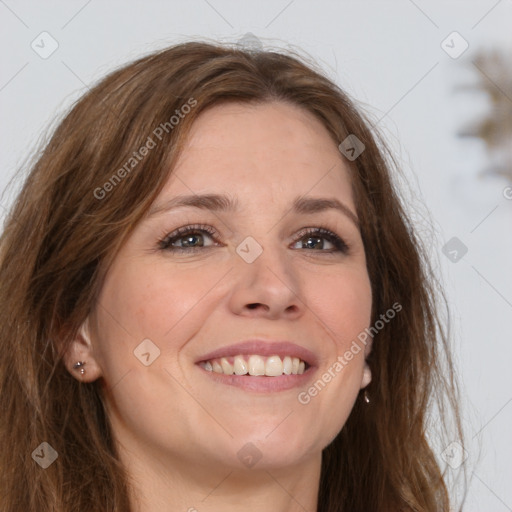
[[494, 69]]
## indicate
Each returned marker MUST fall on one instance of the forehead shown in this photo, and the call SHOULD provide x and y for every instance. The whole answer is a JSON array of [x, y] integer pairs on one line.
[[274, 149]]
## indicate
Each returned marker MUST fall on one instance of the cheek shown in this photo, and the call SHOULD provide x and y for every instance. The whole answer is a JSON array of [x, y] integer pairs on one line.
[[139, 303], [144, 302], [155, 302], [342, 302]]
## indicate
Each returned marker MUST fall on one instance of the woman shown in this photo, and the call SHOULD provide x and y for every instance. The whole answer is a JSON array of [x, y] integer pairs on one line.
[[212, 300]]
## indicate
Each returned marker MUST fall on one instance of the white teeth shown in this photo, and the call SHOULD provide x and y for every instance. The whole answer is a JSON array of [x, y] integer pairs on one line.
[[287, 365], [240, 366], [227, 367], [274, 366], [256, 365]]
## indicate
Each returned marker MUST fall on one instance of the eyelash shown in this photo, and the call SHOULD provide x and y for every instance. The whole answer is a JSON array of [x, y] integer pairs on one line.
[[165, 243]]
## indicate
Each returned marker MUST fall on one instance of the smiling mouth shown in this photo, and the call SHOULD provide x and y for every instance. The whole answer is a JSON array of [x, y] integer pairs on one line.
[[256, 365]]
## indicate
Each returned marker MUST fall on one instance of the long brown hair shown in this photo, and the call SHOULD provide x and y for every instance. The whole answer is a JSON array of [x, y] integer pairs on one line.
[[76, 208]]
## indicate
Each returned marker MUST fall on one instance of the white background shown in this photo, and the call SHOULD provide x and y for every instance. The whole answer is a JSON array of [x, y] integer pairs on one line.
[[388, 56]]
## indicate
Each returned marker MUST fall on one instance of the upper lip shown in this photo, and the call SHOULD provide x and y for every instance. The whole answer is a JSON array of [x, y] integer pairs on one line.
[[260, 347]]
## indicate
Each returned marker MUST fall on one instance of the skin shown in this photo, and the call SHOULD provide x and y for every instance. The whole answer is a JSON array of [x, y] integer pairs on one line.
[[178, 430]]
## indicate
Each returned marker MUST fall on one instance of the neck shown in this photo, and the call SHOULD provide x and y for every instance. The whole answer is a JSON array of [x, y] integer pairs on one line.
[[160, 485]]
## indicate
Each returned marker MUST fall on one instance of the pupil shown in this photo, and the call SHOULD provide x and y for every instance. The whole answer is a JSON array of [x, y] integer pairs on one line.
[[188, 239], [314, 242]]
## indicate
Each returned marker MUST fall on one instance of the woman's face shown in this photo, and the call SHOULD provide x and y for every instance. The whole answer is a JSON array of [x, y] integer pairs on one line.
[[263, 283]]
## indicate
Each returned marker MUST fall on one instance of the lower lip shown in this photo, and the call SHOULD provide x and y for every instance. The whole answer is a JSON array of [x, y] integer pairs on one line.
[[261, 383]]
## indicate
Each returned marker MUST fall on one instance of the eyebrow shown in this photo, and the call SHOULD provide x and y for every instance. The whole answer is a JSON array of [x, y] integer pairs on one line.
[[224, 203]]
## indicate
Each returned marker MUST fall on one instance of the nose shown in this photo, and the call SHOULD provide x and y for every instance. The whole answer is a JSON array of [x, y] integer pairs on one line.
[[268, 287]]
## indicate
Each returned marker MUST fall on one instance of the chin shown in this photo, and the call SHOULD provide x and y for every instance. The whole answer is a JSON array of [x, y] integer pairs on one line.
[[275, 450]]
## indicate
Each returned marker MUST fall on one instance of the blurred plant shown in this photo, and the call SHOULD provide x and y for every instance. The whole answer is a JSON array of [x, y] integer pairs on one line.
[[494, 68]]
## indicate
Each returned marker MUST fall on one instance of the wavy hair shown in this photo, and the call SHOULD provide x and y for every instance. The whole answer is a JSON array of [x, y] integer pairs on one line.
[[61, 235]]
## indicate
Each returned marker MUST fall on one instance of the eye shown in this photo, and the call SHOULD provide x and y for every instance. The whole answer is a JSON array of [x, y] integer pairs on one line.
[[187, 238], [192, 238], [315, 237]]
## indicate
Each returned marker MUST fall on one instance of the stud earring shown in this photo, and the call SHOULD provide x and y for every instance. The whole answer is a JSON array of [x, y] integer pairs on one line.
[[366, 397], [79, 365]]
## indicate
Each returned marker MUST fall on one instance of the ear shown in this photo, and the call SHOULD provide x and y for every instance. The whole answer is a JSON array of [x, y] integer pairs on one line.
[[367, 376], [367, 373], [81, 349]]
